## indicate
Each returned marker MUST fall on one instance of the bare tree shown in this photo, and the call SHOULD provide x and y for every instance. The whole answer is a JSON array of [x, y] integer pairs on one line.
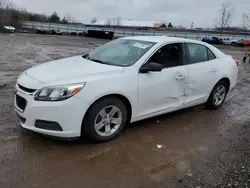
[[192, 25], [108, 22], [70, 18], [225, 16], [118, 20], [6, 9], [246, 20], [93, 20], [1, 4]]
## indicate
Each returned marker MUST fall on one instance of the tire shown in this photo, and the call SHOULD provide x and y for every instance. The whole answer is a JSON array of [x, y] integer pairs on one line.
[[212, 103], [233, 43], [110, 130]]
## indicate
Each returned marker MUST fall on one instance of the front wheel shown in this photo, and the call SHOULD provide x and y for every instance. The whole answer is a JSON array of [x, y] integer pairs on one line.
[[105, 119], [217, 96]]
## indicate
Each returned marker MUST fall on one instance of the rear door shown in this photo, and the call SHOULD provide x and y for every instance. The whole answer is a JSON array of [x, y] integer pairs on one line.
[[202, 67]]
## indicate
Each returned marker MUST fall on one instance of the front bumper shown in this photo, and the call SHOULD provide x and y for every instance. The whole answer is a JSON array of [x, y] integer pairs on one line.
[[68, 114]]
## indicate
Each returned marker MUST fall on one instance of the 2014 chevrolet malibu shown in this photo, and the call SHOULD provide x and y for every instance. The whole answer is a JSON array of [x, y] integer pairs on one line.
[[123, 81]]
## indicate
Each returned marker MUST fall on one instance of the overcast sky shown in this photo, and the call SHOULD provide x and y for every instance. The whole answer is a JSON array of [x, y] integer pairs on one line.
[[179, 12]]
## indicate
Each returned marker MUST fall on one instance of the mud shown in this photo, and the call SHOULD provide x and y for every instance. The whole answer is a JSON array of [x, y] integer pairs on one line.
[[189, 148]]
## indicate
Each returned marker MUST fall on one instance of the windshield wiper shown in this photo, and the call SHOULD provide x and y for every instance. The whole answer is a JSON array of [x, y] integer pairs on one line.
[[85, 56], [97, 60]]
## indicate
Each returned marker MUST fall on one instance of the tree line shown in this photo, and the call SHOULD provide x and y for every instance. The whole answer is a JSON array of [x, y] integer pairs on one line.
[[12, 15]]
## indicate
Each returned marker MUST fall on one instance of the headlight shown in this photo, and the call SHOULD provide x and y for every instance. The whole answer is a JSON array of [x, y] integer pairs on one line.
[[58, 93]]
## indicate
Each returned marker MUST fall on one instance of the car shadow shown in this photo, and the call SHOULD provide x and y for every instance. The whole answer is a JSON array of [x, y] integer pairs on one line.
[[37, 139]]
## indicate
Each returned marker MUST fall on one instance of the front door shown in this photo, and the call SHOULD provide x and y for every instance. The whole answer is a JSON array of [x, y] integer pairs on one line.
[[160, 92]]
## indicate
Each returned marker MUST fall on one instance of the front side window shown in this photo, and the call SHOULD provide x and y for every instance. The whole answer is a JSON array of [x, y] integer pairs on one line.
[[169, 55], [197, 53], [120, 52]]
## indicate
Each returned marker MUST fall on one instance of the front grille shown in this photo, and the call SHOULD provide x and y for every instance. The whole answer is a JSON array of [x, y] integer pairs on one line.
[[28, 90], [20, 102]]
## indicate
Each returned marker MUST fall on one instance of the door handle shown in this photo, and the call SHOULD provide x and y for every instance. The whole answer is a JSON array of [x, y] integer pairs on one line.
[[180, 77], [214, 70]]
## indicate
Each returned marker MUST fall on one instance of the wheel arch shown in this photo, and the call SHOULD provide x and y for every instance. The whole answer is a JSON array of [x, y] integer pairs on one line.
[[121, 97], [227, 81]]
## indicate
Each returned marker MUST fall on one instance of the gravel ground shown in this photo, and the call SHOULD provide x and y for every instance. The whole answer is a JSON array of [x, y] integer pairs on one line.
[[189, 148]]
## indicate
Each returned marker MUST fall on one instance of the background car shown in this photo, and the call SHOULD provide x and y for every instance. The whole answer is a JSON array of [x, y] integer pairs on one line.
[[102, 34], [56, 32], [212, 40], [7, 29], [123, 81], [229, 41], [42, 31], [242, 43]]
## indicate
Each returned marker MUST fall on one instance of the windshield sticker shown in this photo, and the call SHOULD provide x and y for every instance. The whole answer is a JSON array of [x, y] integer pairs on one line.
[[142, 46]]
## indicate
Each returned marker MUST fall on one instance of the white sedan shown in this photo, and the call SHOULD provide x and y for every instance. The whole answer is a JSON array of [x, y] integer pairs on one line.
[[123, 81]]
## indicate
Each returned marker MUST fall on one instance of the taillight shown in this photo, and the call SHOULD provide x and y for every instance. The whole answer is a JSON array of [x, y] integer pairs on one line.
[[237, 62]]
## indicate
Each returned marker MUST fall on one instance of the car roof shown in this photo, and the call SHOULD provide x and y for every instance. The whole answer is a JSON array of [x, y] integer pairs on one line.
[[160, 39], [165, 39]]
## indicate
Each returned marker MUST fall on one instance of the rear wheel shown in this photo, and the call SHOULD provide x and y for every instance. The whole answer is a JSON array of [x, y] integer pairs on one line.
[[217, 96], [105, 119]]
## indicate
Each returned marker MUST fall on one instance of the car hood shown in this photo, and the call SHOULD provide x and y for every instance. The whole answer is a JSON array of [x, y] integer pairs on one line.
[[71, 70]]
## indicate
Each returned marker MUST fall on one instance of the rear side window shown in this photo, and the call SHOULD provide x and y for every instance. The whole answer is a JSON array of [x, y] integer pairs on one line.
[[199, 53], [210, 54]]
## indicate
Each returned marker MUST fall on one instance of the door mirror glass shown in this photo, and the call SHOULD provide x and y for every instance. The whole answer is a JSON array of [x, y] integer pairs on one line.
[[151, 67]]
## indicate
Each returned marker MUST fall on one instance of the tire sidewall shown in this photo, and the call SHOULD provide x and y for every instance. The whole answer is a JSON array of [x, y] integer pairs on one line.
[[210, 103], [89, 123]]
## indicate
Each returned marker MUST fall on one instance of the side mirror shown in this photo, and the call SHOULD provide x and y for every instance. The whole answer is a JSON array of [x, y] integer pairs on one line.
[[151, 67]]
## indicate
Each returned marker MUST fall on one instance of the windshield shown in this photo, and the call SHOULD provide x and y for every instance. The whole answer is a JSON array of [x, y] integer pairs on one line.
[[120, 52]]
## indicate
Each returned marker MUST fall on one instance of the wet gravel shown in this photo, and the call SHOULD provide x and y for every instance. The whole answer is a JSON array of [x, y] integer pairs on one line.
[[190, 148]]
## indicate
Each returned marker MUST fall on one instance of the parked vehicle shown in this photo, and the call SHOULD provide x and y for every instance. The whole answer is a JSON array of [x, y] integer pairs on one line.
[[7, 29], [42, 31], [123, 81], [242, 43], [212, 40], [56, 32], [229, 41], [83, 33], [103, 34], [51, 32]]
